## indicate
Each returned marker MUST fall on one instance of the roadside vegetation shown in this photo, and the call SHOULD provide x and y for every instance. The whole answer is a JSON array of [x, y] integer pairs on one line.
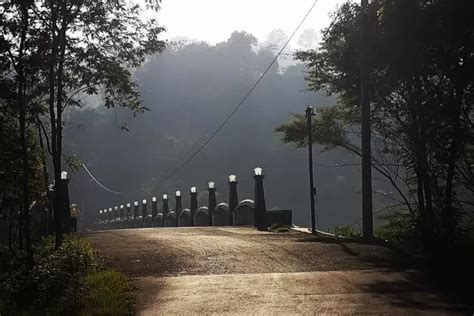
[[69, 280], [277, 228]]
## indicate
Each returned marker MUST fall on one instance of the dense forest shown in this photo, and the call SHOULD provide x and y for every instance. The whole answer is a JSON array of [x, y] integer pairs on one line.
[[189, 89]]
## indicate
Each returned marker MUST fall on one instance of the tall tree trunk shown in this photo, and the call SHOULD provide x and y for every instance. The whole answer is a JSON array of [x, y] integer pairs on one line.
[[25, 213], [449, 212], [425, 203], [57, 155], [52, 118]]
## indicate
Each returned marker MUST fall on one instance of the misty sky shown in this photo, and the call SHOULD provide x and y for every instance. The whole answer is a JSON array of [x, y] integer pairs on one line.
[[214, 20]]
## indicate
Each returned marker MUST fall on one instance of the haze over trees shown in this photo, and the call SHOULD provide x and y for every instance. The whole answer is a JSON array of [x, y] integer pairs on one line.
[[189, 89], [421, 87], [53, 52]]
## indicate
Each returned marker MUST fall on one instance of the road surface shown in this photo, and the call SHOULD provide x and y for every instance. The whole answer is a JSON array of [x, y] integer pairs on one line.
[[230, 270]]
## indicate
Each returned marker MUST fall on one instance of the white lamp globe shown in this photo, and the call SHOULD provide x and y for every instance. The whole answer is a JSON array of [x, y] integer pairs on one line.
[[165, 196], [232, 178], [153, 199], [63, 175], [178, 193], [258, 171], [193, 189], [135, 203], [211, 185]]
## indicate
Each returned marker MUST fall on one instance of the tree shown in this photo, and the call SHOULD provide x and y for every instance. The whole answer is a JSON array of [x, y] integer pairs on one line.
[[421, 93], [59, 51], [92, 46]]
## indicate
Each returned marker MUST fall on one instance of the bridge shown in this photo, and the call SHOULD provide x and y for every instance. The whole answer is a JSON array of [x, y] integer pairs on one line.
[[241, 270]]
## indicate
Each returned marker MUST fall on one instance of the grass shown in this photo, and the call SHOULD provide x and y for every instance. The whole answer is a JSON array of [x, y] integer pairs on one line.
[[108, 293], [70, 280], [275, 228]]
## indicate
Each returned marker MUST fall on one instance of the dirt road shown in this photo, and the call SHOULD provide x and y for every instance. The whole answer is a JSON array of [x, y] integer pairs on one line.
[[242, 271]]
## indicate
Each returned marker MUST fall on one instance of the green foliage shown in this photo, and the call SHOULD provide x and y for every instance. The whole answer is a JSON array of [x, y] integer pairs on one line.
[[421, 124], [108, 293], [347, 231], [55, 284], [276, 228], [398, 228]]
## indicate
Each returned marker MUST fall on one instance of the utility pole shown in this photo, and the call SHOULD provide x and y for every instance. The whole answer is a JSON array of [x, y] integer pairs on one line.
[[367, 215], [312, 189]]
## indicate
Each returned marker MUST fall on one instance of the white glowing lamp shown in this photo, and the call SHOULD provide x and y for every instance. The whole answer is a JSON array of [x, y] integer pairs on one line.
[[165, 196], [144, 201], [121, 206], [100, 211], [153, 199], [128, 204], [135, 203], [115, 208], [211, 185], [110, 209], [232, 178], [63, 175], [193, 189], [178, 193], [258, 171]]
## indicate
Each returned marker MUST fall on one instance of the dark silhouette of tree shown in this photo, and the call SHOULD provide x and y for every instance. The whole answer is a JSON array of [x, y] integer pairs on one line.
[[421, 93]]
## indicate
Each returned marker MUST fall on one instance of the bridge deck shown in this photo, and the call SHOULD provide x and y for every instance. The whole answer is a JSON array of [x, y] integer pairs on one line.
[[243, 271]]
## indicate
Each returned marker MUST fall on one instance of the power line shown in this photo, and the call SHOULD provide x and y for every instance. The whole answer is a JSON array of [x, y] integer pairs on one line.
[[100, 184], [208, 140]]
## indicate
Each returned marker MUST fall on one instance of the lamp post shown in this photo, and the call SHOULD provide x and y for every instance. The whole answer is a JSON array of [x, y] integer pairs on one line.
[[114, 217], [100, 218], [312, 190], [212, 200], [260, 209], [50, 216], [154, 208], [61, 210], [121, 216], [129, 214], [109, 217], [367, 212], [166, 208], [233, 199], [144, 212], [135, 210], [178, 206], [194, 203]]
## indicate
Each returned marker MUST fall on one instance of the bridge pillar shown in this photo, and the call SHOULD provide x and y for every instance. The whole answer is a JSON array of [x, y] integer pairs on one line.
[[233, 199], [212, 200], [260, 209], [178, 206], [166, 208], [154, 209], [144, 213], [193, 206]]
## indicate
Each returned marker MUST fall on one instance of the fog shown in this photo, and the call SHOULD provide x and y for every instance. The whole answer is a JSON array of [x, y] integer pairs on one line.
[[189, 90]]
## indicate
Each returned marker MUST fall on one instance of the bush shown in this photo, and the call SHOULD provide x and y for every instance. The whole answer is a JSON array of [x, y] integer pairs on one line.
[[346, 231], [108, 293], [398, 228], [55, 284], [276, 228]]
